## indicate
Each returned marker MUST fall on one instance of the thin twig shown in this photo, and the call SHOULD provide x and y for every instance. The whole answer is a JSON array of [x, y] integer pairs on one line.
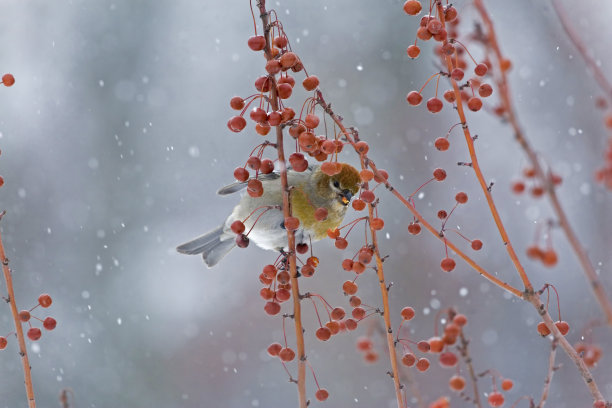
[[549, 375], [23, 352]]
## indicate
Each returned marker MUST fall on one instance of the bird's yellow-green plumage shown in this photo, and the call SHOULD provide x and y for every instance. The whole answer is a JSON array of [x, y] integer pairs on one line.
[[304, 205]]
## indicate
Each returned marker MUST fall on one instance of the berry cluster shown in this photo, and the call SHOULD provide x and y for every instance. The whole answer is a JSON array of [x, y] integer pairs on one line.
[[25, 316]]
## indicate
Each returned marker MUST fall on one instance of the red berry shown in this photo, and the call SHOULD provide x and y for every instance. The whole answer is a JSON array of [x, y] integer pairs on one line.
[[262, 84], [236, 123], [8, 79], [422, 364], [364, 343], [476, 245], [274, 118], [3, 342], [367, 196], [242, 241], [413, 51], [273, 67], [350, 324], [322, 394], [241, 174], [358, 204], [518, 187], [408, 359], [307, 271], [292, 223], [377, 224], [254, 188], [485, 90], [341, 243], [434, 26], [434, 105], [358, 313], [272, 308], [563, 327], [338, 313], [349, 287], [461, 197], [45, 300], [436, 344], [274, 349], [457, 74], [543, 329], [362, 147], [423, 346], [460, 320], [301, 248], [355, 301], [284, 91], [34, 333], [450, 13], [448, 359], [414, 228], [414, 98], [474, 104], [442, 144], [481, 69], [439, 174], [310, 83], [49, 323], [347, 264], [456, 383], [496, 399], [311, 121], [449, 96], [412, 7], [237, 103], [323, 333], [549, 257], [288, 59], [447, 264], [281, 41], [257, 42], [254, 162], [24, 315], [442, 214], [267, 166], [507, 384], [286, 354], [407, 313]]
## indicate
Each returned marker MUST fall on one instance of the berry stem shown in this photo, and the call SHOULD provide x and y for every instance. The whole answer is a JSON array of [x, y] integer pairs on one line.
[[18, 327]]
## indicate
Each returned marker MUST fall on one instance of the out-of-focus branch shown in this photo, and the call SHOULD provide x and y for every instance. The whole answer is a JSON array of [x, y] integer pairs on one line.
[[544, 178]]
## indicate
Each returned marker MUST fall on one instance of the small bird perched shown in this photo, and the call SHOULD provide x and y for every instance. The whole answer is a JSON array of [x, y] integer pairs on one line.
[[311, 190]]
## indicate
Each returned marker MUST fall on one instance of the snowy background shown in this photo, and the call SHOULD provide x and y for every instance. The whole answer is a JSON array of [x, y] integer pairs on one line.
[[114, 142]]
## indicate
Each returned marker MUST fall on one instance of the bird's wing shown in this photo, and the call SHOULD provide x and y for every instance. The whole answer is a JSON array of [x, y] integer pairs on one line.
[[239, 185]]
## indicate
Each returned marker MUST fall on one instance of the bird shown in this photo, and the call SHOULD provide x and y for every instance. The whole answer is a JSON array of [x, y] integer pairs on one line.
[[263, 216]]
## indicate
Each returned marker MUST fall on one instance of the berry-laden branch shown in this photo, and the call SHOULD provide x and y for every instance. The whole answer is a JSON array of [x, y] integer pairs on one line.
[[295, 289], [545, 179], [406, 201], [23, 352]]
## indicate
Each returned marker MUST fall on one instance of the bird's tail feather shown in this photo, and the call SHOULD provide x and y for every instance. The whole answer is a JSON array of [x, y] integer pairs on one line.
[[213, 246]]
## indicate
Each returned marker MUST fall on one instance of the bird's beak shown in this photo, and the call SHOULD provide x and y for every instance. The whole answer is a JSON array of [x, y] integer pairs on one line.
[[346, 197]]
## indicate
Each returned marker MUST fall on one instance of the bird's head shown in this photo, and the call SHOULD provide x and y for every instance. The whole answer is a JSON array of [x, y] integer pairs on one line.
[[342, 186]]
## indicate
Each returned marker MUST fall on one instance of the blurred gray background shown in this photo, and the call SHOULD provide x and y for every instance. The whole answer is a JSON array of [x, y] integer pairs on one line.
[[114, 142]]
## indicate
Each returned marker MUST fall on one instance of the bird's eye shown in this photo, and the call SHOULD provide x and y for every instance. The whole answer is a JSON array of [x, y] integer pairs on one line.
[[336, 184]]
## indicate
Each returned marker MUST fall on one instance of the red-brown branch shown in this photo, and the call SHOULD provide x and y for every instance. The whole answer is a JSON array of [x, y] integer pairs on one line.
[[23, 352], [295, 289]]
